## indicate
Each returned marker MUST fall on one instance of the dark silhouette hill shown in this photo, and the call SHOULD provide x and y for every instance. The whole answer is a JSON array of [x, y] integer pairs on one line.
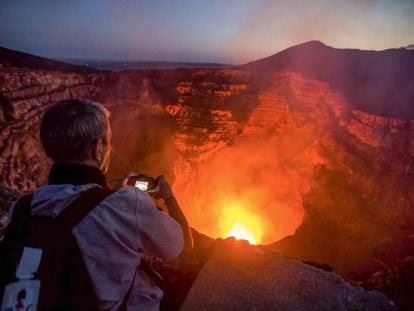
[[12, 58], [377, 82]]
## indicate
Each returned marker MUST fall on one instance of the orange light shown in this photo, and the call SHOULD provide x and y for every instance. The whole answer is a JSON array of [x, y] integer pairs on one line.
[[240, 232], [240, 223]]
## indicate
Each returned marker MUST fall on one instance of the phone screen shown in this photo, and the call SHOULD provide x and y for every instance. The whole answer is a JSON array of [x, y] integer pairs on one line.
[[141, 185]]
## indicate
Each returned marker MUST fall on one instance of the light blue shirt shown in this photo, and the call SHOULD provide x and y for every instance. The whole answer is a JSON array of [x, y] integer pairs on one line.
[[110, 238]]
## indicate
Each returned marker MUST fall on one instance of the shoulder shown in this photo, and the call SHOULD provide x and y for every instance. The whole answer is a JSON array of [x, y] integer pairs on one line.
[[129, 200], [113, 219], [131, 196]]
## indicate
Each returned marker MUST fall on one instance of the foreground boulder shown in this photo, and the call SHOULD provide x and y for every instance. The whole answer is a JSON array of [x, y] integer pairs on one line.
[[242, 277]]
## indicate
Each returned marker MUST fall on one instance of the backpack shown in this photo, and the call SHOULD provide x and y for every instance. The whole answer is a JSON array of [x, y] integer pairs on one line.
[[64, 281]]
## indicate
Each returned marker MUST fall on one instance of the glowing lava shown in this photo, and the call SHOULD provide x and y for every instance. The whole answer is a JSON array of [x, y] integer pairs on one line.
[[240, 232], [240, 223]]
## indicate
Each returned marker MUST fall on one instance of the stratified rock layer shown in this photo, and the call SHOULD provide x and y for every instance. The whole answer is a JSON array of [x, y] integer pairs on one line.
[[24, 96]]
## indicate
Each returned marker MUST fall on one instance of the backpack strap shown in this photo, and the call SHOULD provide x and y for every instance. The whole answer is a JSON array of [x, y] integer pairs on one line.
[[153, 275], [81, 207], [22, 207], [73, 214]]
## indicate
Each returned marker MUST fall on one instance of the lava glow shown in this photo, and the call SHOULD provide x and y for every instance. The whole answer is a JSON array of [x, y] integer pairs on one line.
[[258, 183], [241, 232], [241, 224]]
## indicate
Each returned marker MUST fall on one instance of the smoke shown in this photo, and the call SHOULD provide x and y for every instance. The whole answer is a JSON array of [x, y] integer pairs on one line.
[[256, 182], [249, 180], [143, 133]]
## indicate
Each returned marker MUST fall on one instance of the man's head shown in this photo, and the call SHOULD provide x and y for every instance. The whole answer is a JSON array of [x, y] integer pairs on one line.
[[77, 130]]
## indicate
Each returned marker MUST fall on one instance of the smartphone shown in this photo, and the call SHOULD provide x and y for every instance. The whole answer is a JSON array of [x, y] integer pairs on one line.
[[141, 185], [143, 182]]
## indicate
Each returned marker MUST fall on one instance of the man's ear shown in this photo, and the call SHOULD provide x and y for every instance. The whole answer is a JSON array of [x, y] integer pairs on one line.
[[98, 149]]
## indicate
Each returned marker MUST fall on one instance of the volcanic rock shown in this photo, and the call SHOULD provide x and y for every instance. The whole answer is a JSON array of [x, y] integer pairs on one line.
[[25, 93], [7, 197], [241, 277]]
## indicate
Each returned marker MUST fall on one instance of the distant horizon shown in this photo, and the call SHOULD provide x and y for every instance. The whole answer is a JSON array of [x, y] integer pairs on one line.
[[103, 60], [132, 60]]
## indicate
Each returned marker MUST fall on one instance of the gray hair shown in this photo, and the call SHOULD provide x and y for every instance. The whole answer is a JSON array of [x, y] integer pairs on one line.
[[70, 127]]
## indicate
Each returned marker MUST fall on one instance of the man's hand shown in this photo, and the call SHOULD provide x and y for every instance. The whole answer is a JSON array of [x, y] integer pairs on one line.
[[122, 182], [164, 190]]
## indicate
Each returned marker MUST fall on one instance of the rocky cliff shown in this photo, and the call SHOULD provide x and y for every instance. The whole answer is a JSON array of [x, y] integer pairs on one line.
[[25, 93], [377, 82]]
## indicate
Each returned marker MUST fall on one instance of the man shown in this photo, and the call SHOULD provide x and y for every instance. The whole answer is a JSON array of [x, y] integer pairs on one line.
[[76, 135]]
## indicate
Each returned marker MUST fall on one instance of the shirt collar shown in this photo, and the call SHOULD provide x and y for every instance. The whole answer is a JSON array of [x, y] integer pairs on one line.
[[76, 174]]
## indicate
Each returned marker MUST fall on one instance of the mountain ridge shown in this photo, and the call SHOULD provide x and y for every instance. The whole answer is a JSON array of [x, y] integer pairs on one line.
[[373, 81], [13, 58]]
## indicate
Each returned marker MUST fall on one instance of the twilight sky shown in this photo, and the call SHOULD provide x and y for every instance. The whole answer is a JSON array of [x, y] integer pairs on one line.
[[226, 31]]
